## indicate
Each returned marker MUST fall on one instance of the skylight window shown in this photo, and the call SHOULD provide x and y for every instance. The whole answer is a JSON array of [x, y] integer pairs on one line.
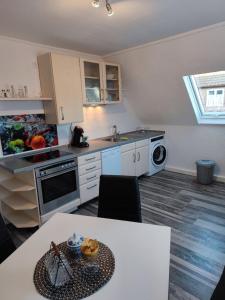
[[207, 95]]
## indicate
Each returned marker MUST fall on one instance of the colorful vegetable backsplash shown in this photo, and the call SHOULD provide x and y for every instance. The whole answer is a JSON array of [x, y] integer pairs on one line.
[[25, 133]]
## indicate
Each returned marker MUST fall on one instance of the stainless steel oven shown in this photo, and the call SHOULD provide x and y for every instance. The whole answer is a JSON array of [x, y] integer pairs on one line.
[[57, 185]]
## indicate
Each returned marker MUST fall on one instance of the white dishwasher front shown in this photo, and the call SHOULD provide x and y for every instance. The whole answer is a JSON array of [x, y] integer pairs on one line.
[[111, 161]]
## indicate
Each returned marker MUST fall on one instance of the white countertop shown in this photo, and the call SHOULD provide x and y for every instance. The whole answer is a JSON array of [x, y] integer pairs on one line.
[[142, 257]]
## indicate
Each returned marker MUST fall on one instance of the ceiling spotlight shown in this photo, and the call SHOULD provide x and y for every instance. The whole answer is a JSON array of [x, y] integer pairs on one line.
[[109, 8], [95, 3]]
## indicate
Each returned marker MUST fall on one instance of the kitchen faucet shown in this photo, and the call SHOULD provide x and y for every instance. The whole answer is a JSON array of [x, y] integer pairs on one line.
[[115, 132]]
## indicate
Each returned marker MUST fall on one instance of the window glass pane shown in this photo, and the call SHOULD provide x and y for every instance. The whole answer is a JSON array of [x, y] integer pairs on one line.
[[210, 92]]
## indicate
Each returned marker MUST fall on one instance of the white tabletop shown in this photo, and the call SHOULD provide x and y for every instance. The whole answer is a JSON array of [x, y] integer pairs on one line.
[[142, 256]]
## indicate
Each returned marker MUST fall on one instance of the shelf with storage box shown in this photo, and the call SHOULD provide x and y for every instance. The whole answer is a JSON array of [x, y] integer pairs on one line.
[[101, 82], [21, 94], [92, 77], [113, 83], [25, 99], [19, 203]]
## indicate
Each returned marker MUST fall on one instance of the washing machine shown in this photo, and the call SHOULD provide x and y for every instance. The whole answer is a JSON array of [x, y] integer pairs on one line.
[[157, 154]]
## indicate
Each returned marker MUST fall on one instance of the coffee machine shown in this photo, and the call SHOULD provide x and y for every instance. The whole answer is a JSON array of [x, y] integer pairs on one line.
[[78, 139]]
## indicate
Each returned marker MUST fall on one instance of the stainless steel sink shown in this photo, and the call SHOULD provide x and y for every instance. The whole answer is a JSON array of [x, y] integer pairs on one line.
[[116, 140], [111, 139], [138, 133], [128, 136]]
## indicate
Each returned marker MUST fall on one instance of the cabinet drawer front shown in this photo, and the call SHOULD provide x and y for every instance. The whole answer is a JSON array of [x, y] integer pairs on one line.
[[127, 147], [142, 143], [85, 169], [89, 177], [86, 159], [89, 191]]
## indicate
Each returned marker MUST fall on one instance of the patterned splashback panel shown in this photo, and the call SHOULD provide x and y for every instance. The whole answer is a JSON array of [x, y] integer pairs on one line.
[[26, 132]]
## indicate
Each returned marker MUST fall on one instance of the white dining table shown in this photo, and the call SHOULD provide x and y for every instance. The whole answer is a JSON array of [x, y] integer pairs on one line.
[[141, 251]]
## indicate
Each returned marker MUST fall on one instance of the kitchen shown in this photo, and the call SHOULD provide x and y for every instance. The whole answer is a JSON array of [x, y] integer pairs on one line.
[[85, 164], [69, 115]]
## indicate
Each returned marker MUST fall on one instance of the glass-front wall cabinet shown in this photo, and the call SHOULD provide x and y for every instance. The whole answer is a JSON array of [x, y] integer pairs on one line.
[[101, 82], [113, 89], [92, 82]]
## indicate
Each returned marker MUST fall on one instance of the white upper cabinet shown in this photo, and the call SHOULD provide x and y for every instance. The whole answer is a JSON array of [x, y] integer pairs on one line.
[[101, 82], [112, 83], [92, 82], [60, 79]]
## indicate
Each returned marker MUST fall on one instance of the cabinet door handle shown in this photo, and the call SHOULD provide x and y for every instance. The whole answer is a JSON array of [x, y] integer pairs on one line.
[[139, 156], [91, 187], [89, 178], [91, 168], [62, 113], [87, 159], [134, 157], [101, 94]]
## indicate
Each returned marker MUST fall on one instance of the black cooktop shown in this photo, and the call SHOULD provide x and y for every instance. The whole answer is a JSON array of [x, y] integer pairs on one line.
[[45, 156]]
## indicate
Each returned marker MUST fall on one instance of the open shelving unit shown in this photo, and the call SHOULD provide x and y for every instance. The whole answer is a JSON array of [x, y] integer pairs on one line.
[[25, 99], [19, 220], [16, 185], [19, 203], [92, 77]]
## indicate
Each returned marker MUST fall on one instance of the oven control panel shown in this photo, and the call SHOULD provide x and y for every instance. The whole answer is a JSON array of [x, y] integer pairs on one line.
[[56, 167]]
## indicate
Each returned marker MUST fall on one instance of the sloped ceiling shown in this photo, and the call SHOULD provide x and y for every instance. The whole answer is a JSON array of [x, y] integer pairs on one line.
[[152, 74], [75, 24]]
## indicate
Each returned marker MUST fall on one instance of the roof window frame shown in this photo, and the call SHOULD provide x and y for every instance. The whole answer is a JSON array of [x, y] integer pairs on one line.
[[213, 118]]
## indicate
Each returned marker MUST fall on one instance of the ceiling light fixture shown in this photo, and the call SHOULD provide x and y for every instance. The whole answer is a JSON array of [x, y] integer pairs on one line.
[[109, 8], [96, 4]]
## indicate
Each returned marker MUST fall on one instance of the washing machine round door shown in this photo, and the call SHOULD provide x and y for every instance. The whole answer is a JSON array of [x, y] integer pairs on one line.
[[159, 155]]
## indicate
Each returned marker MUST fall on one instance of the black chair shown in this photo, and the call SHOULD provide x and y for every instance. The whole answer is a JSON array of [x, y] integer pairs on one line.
[[219, 292], [6, 244], [119, 198]]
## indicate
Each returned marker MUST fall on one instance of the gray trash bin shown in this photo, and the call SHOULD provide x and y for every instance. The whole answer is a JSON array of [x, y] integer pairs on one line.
[[205, 169]]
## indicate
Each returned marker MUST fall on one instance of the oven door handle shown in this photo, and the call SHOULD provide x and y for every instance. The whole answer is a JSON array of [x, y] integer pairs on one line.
[[41, 178]]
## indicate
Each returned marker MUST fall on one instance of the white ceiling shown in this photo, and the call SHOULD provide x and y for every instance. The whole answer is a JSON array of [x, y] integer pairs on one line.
[[75, 24]]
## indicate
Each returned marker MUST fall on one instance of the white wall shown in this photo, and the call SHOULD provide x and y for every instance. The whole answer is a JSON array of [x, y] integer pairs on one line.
[[153, 80], [186, 144], [18, 66]]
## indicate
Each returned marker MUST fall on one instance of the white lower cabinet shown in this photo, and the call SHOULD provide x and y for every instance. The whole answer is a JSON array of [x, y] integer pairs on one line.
[[128, 163], [142, 160], [135, 158], [134, 162], [89, 191], [89, 169], [89, 177]]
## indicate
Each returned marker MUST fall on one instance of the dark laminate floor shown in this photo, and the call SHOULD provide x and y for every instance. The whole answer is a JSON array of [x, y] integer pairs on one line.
[[196, 215]]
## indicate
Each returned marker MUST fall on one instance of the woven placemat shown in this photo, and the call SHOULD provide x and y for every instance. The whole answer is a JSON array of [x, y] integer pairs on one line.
[[82, 285]]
